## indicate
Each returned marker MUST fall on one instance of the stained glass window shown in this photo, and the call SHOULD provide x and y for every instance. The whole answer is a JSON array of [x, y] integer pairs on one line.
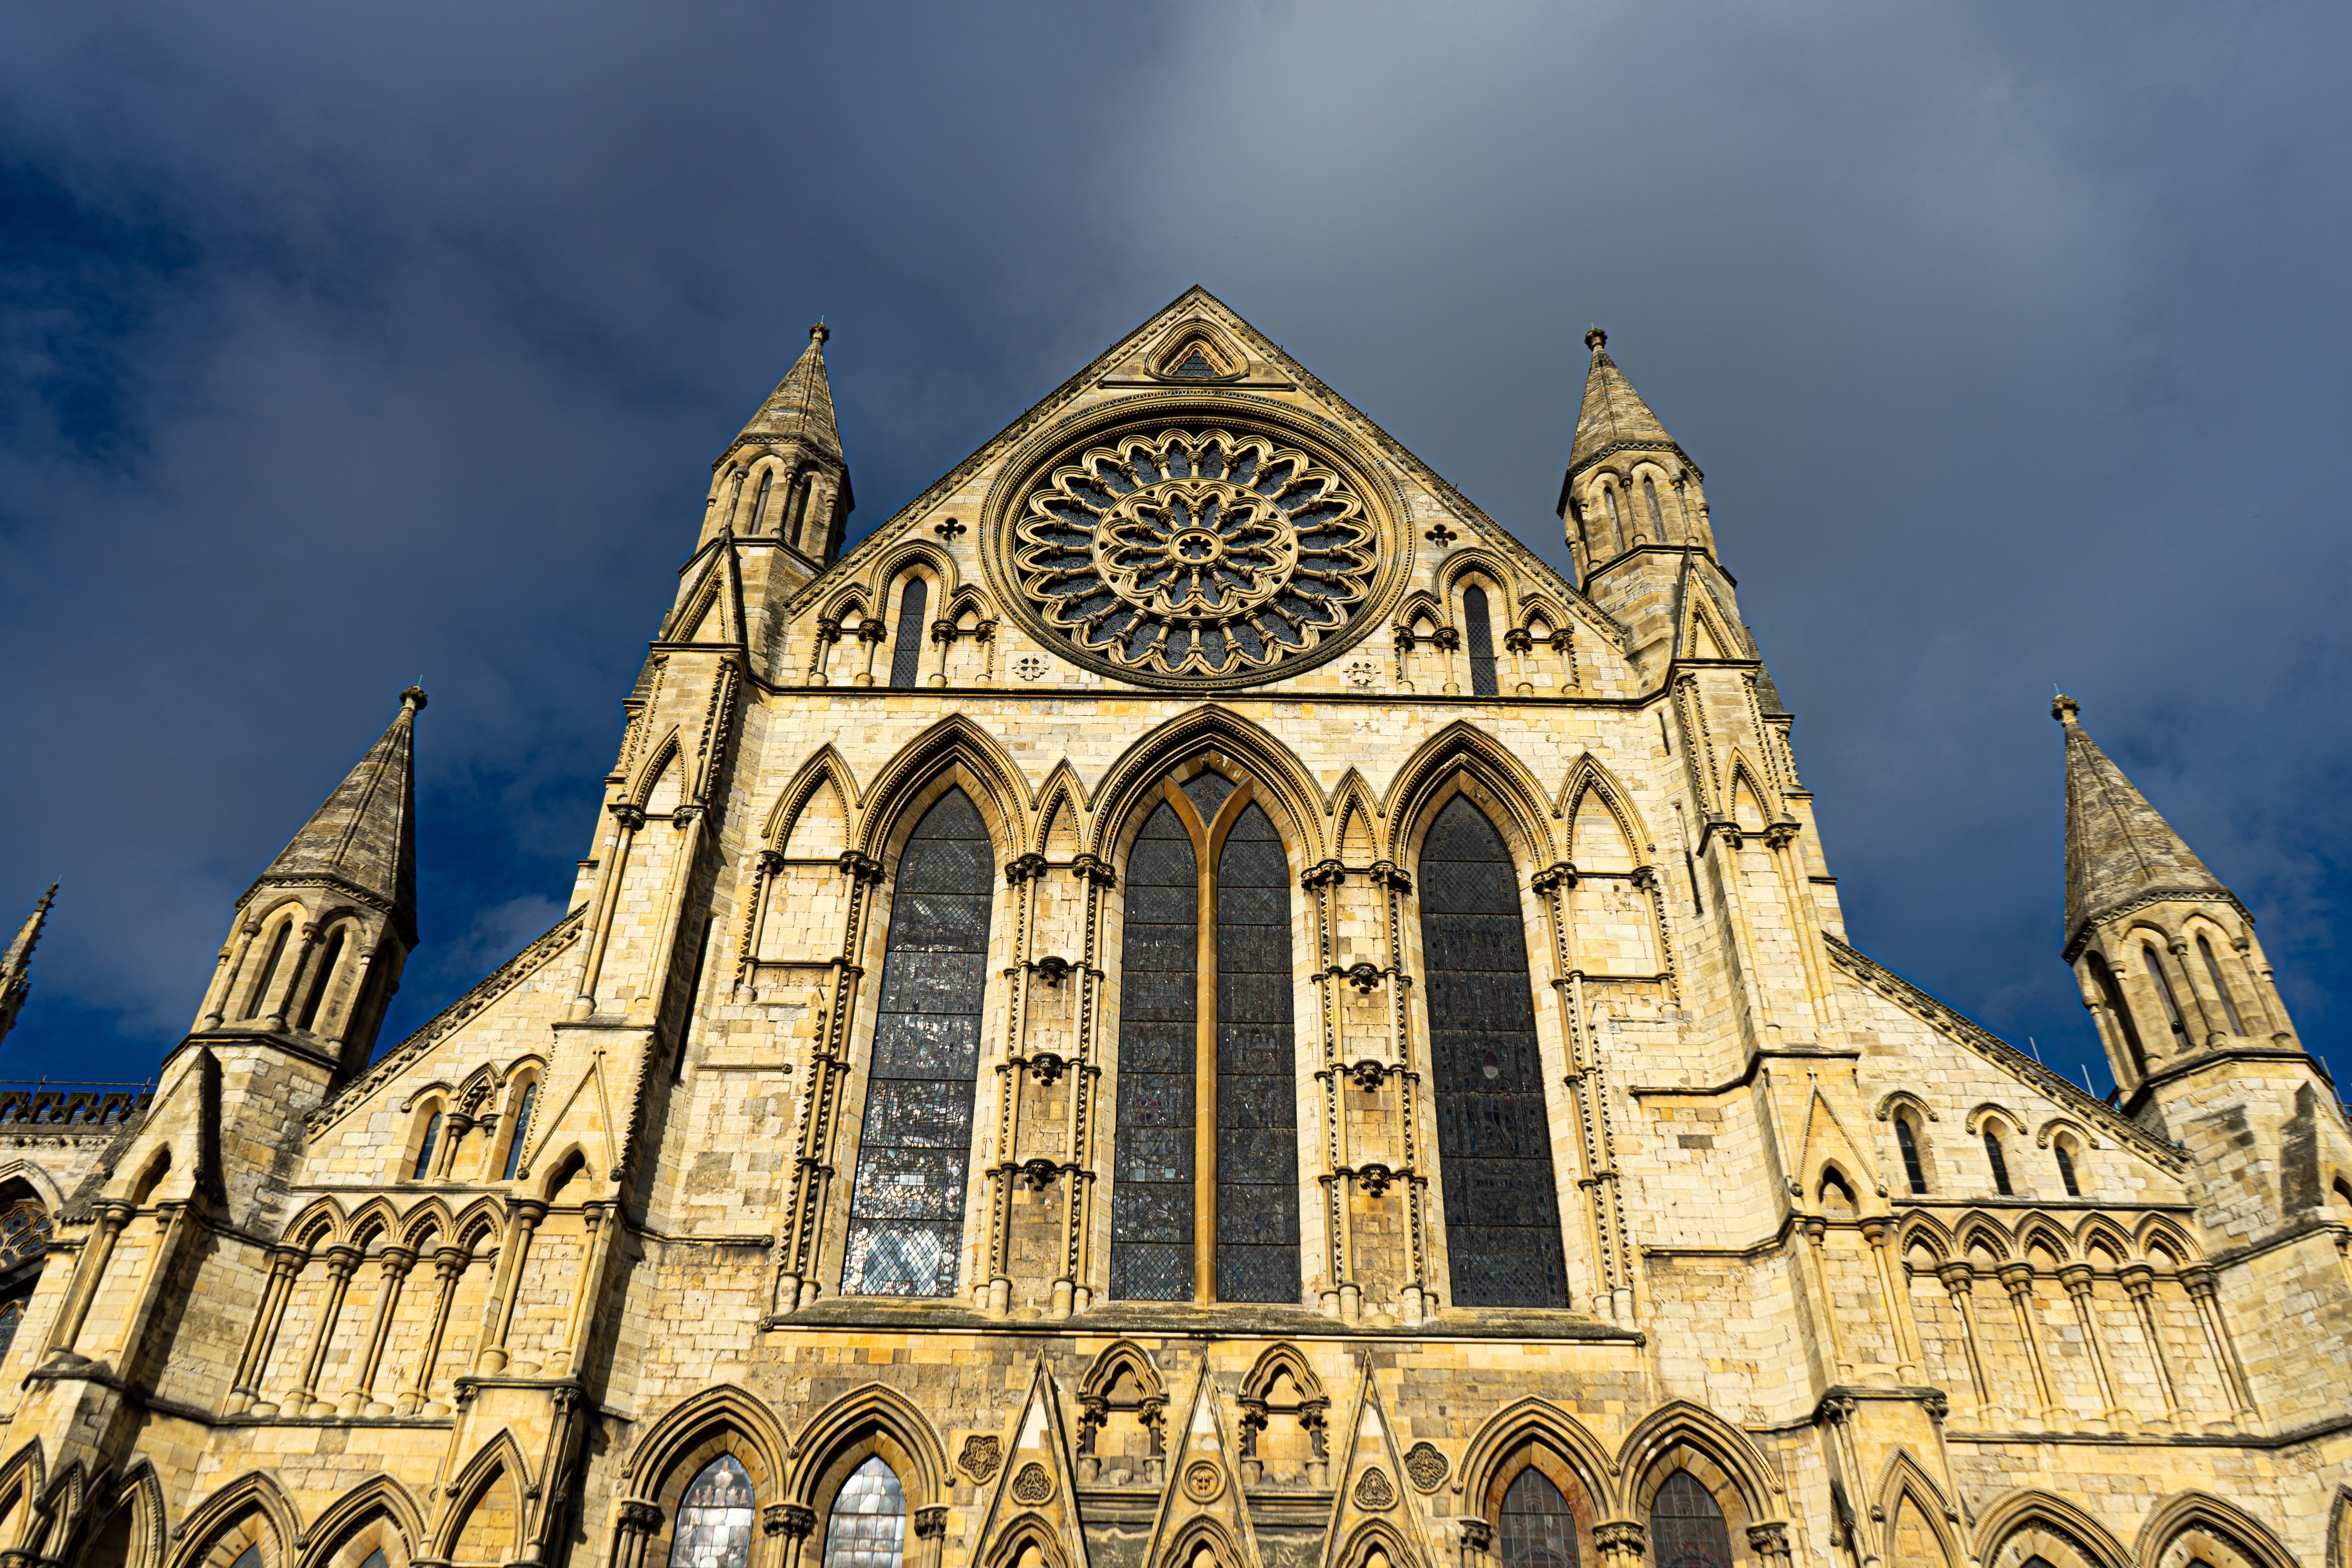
[[1151, 1180], [1686, 1528], [907, 648], [1196, 363], [869, 1528], [25, 1232], [1257, 1091], [1493, 1139], [521, 1126], [1538, 1530], [1478, 628], [714, 1519], [906, 1208]]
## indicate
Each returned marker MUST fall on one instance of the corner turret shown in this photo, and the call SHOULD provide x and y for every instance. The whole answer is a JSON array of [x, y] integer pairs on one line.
[[783, 480]]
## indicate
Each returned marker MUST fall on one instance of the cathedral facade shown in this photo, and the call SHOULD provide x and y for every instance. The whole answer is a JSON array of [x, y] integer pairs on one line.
[[1189, 1002]]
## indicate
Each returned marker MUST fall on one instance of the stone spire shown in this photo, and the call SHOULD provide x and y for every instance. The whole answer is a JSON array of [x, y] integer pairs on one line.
[[2120, 853], [802, 405], [16, 966], [363, 839], [1613, 417]]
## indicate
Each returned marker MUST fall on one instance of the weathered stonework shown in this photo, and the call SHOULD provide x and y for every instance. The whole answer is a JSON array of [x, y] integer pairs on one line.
[[537, 1284]]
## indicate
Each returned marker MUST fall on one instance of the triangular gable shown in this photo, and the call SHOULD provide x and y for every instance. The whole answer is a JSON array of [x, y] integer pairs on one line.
[[1372, 1492], [1204, 1497], [1035, 1496]]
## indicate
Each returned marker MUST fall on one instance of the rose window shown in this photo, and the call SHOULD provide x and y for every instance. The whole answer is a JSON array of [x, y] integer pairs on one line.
[[1195, 552]]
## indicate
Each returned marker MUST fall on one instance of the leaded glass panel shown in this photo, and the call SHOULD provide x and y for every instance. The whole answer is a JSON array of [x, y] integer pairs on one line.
[[906, 1206], [868, 1527], [714, 1519], [907, 648], [1151, 1180], [1208, 791], [1257, 1091], [1479, 629], [1538, 1529], [1686, 1528], [1493, 1139]]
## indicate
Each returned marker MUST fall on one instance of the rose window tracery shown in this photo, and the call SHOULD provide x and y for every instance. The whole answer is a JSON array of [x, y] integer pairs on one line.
[[1200, 554]]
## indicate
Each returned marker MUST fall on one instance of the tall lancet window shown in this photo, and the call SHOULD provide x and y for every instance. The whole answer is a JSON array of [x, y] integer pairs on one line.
[[907, 647], [1204, 1196], [759, 500], [1480, 630], [906, 1208], [1493, 1139]]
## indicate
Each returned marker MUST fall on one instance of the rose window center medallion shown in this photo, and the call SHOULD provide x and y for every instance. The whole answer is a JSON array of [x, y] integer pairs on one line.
[[1195, 552]]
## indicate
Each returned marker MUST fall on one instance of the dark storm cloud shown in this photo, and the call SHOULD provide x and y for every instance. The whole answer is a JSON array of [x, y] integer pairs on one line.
[[346, 349]]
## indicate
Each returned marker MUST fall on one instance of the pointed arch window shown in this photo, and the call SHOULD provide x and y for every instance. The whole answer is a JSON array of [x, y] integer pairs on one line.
[[2220, 986], [2163, 983], [868, 1527], [326, 978], [25, 1232], [425, 1148], [759, 500], [907, 1204], [530, 1098], [260, 997], [1999, 1162], [1205, 1194], [714, 1517], [2067, 1167], [1650, 500], [1914, 1170], [1480, 630], [796, 505], [1536, 1528], [1494, 1135], [907, 648], [2112, 994], [1686, 1525]]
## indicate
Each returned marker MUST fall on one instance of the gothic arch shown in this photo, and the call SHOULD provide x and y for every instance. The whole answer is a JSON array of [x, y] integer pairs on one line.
[[846, 1426], [2098, 1230], [955, 744], [1905, 1477], [1015, 1538], [1540, 608], [2158, 1232], [423, 1223], [1063, 790], [1278, 1359], [1744, 782], [658, 760], [1467, 560], [913, 555], [2066, 1124], [2339, 1529], [698, 1418], [322, 1223], [1419, 787], [377, 1498], [825, 768], [1285, 787], [1102, 1373], [22, 1479], [1707, 615], [138, 1491], [1187, 1539], [1684, 1425], [2010, 1123], [374, 1219], [1589, 775], [1903, 1099], [256, 1495], [1538, 1421], [851, 599], [477, 1221], [500, 1456], [1421, 605], [45, 1189], [1922, 1230], [1974, 1230], [2188, 1510], [2041, 1230], [1353, 793], [1228, 360], [1375, 1534], [2038, 1511]]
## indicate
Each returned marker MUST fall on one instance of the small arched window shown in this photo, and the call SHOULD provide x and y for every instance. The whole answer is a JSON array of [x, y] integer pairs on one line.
[[1650, 500], [260, 997], [1616, 524], [759, 500], [1837, 1198], [530, 1098], [1999, 1163], [1480, 630], [869, 1528], [2163, 983], [1538, 1529], [425, 1149], [1686, 1525], [2066, 1168], [2343, 1192], [2220, 986], [907, 648], [326, 978], [715, 1517], [1914, 1170], [2113, 995]]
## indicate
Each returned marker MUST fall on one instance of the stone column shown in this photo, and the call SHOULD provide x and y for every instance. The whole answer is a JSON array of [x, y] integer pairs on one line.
[[2077, 1278], [1769, 1542], [609, 870], [767, 867], [275, 1008], [2017, 1278], [448, 1267], [2204, 1289], [343, 1262], [1815, 1231], [1477, 1539], [931, 1530], [828, 632], [2210, 1011], [796, 1521], [285, 1265], [943, 632], [635, 1525], [1878, 1233], [870, 633], [1519, 644], [1958, 1281], [600, 1221], [1449, 638], [361, 1397], [492, 1358], [2139, 1283], [112, 1215], [225, 976]]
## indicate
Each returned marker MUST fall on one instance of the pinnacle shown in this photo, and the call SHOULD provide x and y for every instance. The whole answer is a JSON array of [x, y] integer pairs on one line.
[[363, 839], [802, 404], [1614, 413], [2119, 851]]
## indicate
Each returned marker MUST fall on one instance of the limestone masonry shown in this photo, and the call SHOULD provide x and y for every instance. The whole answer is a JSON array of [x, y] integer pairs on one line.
[[1188, 1003]]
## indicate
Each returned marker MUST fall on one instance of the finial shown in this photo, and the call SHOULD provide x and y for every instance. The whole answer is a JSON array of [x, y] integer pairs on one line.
[[818, 333], [413, 699], [1596, 339], [2064, 709]]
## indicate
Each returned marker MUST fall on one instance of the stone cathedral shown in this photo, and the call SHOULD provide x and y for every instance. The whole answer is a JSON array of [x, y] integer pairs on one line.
[[1188, 1003]]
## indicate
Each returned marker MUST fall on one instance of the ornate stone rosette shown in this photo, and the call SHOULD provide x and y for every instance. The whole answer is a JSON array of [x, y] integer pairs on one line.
[[1196, 553]]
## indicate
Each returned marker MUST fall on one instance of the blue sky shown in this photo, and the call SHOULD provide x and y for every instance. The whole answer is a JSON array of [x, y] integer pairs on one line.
[[344, 348]]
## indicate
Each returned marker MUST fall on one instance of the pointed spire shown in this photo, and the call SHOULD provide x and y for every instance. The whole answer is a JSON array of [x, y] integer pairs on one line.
[[802, 404], [16, 967], [2119, 852], [1614, 416], [363, 839]]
